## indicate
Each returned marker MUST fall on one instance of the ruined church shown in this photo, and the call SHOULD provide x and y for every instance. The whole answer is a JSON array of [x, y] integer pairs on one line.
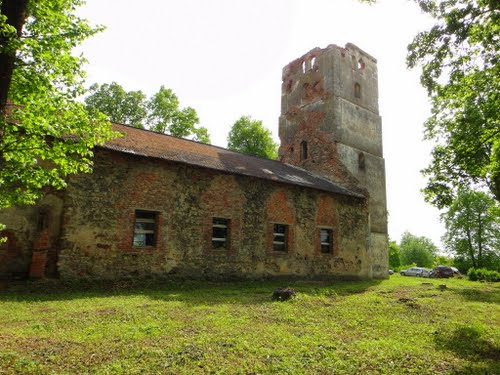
[[160, 205]]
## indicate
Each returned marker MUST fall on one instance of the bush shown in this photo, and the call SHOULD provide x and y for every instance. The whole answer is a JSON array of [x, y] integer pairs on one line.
[[483, 274]]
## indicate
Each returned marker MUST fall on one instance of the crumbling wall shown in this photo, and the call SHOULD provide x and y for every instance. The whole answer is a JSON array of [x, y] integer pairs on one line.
[[99, 223], [330, 125]]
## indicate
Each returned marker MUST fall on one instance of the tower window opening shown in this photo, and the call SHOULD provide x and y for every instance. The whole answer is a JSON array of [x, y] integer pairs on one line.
[[357, 90], [361, 64], [303, 150], [361, 161], [303, 66], [313, 62]]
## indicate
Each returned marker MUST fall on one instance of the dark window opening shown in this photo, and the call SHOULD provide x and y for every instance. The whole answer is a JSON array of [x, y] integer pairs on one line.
[[357, 90], [220, 233], [326, 240], [303, 150], [361, 161], [43, 221], [145, 228], [280, 237]]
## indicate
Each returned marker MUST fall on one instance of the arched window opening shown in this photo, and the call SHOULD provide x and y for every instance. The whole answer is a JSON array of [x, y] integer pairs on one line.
[[313, 62], [303, 66], [303, 150], [357, 90], [361, 64]]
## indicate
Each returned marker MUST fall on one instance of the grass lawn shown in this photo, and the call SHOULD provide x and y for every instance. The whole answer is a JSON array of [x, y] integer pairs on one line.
[[395, 326]]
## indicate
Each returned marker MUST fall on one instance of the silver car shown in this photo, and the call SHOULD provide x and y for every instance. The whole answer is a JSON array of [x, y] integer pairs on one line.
[[414, 271]]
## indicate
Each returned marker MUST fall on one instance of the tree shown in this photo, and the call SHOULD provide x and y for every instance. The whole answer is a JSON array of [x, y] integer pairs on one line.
[[418, 250], [252, 138], [394, 255], [160, 113], [461, 72], [473, 228], [121, 106], [45, 133]]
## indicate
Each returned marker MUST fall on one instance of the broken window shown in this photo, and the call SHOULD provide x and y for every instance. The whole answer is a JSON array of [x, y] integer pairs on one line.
[[280, 237], [326, 240], [145, 228], [220, 233], [303, 150]]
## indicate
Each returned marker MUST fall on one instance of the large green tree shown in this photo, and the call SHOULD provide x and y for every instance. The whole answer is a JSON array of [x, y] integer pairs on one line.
[[160, 113], [418, 250], [124, 107], [394, 255], [473, 228], [252, 138], [45, 133], [459, 57]]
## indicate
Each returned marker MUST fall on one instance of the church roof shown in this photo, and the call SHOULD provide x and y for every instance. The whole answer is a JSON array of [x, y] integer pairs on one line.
[[161, 146]]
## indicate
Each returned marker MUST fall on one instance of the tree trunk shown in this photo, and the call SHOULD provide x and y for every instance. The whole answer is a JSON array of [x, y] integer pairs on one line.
[[479, 240], [471, 247], [16, 13]]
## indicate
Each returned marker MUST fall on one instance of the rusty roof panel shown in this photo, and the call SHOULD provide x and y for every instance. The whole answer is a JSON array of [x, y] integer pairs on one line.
[[156, 145]]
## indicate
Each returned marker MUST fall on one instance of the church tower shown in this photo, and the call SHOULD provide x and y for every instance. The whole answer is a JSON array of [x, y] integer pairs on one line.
[[330, 125]]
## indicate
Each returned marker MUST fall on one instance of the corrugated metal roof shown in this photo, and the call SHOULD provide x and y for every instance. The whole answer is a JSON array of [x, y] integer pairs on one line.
[[156, 145]]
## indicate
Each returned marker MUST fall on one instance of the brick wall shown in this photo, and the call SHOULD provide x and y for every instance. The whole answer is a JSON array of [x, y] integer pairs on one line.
[[98, 224]]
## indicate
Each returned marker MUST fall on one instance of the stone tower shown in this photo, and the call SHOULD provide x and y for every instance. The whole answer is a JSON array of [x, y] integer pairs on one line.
[[330, 125]]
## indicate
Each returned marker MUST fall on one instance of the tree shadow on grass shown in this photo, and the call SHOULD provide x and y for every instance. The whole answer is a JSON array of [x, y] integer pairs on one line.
[[195, 292], [490, 295], [468, 342]]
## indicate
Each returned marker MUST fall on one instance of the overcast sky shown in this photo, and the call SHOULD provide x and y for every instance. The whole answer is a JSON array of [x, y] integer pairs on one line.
[[224, 58]]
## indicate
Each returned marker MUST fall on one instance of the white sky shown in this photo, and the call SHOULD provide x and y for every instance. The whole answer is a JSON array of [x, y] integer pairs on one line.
[[224, 58]]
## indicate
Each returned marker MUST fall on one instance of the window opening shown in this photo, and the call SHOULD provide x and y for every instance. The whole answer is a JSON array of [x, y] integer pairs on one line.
[[303, 66], [361, 161], [145, 228], [220, 233], [313, 62], [303, 150], [357, 90], [326, 240], [280, 237], [43, 221], [361, 64]]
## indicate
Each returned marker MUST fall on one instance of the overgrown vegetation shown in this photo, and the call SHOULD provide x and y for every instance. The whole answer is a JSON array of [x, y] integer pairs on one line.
[[395, 326], [483, 274]]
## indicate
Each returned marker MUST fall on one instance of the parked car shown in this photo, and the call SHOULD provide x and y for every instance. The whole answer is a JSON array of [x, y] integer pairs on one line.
[[414, 271], [391, 272], [442, 272], [426, 272]]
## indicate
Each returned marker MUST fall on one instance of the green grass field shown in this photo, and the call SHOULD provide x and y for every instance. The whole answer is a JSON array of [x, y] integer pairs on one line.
[[404, 325]]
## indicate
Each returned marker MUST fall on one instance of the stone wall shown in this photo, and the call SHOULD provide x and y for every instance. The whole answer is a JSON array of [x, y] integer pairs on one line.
[[330, 125], [32, 235], [98, 224]]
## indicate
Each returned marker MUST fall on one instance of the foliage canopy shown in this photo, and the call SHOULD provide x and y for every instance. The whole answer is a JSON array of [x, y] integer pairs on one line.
[[252, 138], [160, 113], [461, 72], [473, 229], [45, 133], [418, 250]]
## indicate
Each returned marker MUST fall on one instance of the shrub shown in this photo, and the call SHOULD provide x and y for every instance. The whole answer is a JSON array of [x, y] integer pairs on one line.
[[483, 274]]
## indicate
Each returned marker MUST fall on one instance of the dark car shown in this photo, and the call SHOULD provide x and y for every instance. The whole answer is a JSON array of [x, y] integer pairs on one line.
[[442, 272]]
